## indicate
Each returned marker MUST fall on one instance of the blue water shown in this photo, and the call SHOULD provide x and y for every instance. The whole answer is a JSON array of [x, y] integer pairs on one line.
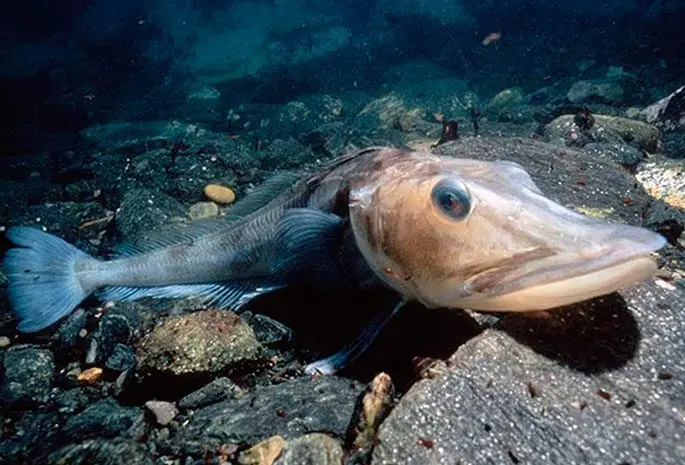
[[68, 65]]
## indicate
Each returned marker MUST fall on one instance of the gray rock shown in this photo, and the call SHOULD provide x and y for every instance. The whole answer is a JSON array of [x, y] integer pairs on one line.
[[164, 412], [267, 330], [103, 452], [118, 326], [27, 374], [68, 335], [607, 129], [571, 389], [618, 153], [203, 342], [312, 449], [71, 401], [144, 210], [289, 409], [285, 154], [218, 390], [106, 419], [596, 91], [122, 358]]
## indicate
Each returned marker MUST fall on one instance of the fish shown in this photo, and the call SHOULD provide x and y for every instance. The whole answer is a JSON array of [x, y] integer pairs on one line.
[[441, 231]]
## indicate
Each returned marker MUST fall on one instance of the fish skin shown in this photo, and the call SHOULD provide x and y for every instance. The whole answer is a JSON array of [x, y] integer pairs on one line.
[[372, 206]]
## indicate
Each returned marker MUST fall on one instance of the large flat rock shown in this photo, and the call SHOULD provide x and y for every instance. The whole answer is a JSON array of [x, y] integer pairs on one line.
[[602, 382]]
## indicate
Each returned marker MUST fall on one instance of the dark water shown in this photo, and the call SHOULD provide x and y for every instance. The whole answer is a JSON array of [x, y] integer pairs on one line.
[[67, 65]]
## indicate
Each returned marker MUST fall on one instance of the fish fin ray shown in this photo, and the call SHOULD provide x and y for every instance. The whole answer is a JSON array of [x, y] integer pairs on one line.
[[43, 285], [233, 294], [189, 232], [309, 243]]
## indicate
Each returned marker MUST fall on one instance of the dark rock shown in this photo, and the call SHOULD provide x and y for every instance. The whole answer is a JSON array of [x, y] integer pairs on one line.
[[289, 409], [605, 402], [218, 390], [285, 154], [118, 326], [71, 401], [164, 412], [204, 342], [315, 448], [106, 419], [30, 439], [122, 358], [103, 452], [145, 210], [27, 375], [267, 330], [68, 335]]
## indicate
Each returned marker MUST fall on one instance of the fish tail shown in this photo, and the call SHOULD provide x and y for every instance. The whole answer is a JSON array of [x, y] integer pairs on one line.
[[41, 272]]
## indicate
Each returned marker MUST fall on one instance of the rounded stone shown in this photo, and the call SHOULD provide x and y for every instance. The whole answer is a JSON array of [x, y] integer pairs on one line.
[[208, 341], [219, 194]]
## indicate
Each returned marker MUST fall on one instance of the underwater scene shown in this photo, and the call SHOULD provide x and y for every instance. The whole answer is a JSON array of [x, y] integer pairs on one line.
[[378, 232]]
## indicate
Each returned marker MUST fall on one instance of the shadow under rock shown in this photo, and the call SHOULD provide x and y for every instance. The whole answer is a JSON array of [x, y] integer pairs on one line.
[[594, 336]]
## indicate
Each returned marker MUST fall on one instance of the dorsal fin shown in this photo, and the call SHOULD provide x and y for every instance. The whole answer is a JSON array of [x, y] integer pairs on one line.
[[189, 232]]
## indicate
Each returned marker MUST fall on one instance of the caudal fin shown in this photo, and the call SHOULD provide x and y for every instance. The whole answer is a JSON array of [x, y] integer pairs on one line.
[[43, 286]]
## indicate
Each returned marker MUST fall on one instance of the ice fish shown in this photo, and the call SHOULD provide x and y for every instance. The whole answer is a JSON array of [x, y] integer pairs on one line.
[[446, 232]]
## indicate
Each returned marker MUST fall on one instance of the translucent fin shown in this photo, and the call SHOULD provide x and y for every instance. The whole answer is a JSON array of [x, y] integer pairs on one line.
[[309, 245], [330, 365], [43, 285], [188, 233], [223, 295], [263, 194]]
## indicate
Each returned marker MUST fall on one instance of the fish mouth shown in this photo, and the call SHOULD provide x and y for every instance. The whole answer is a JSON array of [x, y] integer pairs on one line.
[[542, 279]]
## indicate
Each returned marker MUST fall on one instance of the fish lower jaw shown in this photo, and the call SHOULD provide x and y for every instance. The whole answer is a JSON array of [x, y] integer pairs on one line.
[[565, 291]]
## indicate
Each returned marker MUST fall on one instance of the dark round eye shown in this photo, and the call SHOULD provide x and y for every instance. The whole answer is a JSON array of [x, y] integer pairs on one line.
[[451, 199]]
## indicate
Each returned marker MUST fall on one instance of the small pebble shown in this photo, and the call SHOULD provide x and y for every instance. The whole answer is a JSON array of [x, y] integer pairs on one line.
[[90, 376], [164, 412], [219, 194], [202, 210], [4, 341]]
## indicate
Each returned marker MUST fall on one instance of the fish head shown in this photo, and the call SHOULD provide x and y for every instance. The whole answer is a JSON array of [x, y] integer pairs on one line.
[[481, 235]]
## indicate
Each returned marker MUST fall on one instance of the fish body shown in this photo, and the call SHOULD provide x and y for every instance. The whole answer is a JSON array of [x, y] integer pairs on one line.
[[443, 231]]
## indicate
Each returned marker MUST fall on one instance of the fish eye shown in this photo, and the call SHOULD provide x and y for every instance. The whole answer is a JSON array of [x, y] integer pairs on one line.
[[452, 199]]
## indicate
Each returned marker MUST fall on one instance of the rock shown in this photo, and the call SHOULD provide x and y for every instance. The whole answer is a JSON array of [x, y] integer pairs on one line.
[[665, 181], [30, 439], [103, 452], [164, 412], [218, 390], [27, 374], [285, 154], [203, 342], [71, 401], [391, 112], [106, 419], [596, 91], [90, 376], [606, 129], [268, 331], [118, 326], [315, 448], [219, 194], [4, 342], [618, 153], [144, 210], [669, 112], [202, 210], [263, 453], [506, 100], [68, 336], [289, 409], [122, 358], [139, 136], [577, 402]]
